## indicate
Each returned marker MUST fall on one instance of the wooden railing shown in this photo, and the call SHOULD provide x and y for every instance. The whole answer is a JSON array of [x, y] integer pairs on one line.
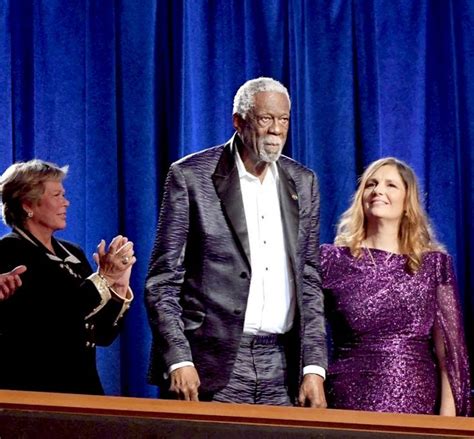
[[51, 415]]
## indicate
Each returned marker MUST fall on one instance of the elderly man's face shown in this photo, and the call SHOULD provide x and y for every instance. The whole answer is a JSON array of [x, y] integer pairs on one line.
[[264, 130]]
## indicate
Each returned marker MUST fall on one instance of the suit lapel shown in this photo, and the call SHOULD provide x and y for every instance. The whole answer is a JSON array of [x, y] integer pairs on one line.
[[227, 183], [289, 207]]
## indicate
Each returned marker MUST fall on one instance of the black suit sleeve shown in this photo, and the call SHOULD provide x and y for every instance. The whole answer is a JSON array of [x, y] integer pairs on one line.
[[314, 337], [167, 271]]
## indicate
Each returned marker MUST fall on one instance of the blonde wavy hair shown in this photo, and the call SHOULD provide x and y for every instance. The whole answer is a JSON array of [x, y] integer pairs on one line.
[[415, 234]]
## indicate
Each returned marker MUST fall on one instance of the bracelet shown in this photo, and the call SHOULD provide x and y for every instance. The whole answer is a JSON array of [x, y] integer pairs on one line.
[[104, 279], [108, 286]]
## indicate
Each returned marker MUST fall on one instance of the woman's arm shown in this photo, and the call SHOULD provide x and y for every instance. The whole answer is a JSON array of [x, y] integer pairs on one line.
[[449, 341], [448, 406]]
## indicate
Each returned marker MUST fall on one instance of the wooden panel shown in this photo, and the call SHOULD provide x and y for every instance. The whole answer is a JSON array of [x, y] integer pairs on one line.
[[52, 415]]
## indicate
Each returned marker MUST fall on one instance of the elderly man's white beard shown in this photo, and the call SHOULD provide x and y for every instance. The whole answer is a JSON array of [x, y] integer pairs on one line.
[[270, 148]]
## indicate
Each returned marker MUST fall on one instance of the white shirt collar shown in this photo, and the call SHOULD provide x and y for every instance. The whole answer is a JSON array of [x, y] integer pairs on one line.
[[70, 258], [241, 167]]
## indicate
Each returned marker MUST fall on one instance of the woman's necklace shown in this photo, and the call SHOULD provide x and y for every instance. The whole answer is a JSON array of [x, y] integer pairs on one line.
[[390, 254]]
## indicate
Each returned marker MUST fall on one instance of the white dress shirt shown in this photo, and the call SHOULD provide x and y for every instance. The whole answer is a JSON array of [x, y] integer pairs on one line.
[[271, 301]]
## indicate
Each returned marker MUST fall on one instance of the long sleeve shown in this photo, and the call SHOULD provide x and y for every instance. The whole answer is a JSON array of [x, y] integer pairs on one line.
[[449, 320], [166, 272], [102, 308], [315, 347], [105, 319]]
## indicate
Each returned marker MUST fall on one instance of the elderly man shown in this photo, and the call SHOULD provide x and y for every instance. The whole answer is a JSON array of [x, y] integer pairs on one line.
[[233, 291]]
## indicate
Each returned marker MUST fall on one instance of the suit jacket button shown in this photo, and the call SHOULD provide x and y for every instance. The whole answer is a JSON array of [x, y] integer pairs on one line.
[[237, 312], [244, 275]]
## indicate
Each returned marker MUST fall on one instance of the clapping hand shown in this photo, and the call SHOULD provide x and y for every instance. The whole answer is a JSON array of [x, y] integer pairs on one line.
[[115, 263], [9, 282]]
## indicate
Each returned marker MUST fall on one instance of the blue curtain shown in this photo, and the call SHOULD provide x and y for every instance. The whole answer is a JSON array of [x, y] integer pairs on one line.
[[120, 89]]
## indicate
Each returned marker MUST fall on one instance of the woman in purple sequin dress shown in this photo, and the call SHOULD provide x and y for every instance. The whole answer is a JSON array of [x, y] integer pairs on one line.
[[398, 341]]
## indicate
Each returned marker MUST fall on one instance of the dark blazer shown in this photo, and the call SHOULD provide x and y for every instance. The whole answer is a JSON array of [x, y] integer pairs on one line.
[[46, 344], [199, 276]]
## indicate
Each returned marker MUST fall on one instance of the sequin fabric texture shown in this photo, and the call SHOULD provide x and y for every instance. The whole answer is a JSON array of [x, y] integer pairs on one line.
[[381, 320]]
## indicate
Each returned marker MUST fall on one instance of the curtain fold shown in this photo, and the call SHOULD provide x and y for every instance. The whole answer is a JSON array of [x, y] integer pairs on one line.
[[119, 89]]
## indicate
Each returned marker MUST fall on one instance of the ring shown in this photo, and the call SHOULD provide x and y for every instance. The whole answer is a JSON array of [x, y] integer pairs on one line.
[[125, 260]]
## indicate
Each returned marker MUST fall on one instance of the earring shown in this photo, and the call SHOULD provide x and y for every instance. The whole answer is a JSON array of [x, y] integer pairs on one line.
[[30, 214]]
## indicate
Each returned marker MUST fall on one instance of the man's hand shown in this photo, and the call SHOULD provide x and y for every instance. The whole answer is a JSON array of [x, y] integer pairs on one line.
[[312, 392], [185, 383], [10, 281]]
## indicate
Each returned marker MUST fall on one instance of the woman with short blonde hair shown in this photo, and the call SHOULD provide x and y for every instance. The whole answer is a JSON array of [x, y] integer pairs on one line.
[[59, 310]]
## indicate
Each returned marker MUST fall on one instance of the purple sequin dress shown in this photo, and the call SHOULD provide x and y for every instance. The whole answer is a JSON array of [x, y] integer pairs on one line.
[[382, 320]]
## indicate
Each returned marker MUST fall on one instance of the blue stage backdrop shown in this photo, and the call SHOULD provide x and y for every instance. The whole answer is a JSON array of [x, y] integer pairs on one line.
[[120, 89]]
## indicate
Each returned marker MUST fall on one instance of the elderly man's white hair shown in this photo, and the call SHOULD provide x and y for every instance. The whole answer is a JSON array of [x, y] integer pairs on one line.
[[244, 98]]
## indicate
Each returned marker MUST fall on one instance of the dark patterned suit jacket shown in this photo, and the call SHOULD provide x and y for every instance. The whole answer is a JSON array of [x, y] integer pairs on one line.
[[199, 276]]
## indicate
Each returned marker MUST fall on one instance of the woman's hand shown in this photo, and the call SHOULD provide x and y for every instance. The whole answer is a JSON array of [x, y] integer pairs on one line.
[[10, 281], [121, 285], [115, 264]]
